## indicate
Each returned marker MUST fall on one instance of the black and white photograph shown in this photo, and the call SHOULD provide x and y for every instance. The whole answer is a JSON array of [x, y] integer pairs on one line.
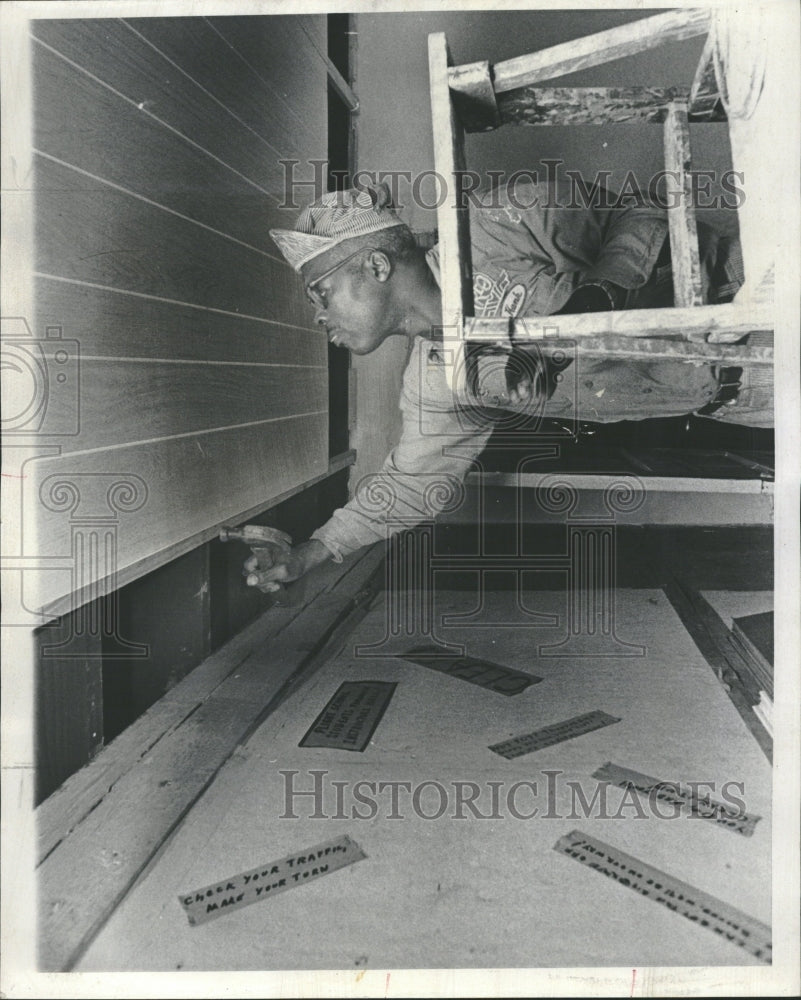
[[400, 457]]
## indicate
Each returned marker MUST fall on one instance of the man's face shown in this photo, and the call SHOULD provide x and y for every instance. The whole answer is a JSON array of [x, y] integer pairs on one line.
[[352, 305]]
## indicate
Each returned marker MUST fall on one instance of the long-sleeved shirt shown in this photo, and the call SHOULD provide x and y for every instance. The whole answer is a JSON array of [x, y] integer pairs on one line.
[[526, 261]]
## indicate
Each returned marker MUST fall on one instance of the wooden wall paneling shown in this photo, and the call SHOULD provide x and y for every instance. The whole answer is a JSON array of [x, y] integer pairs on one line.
[[121, 145], [194, 46], [117, 55], [191, 483], [127, 275], [168, 612], [286, 55], [315, 27], [113, 324], [87, 231], [68, 697], [152, 401]]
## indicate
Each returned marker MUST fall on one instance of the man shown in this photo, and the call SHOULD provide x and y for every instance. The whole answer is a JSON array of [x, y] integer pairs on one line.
[[368, 281]]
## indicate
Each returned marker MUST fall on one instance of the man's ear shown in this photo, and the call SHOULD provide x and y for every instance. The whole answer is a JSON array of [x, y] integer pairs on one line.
[[379, 265]]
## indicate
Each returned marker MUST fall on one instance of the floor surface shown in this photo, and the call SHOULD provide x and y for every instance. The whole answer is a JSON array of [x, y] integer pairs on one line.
[[471, 892]]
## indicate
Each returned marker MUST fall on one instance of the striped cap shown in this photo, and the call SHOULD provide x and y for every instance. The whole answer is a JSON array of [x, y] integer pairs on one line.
[[335, 218]]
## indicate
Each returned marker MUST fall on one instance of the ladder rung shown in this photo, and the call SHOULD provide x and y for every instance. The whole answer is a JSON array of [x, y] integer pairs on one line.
[[655, 349], [702, 323]]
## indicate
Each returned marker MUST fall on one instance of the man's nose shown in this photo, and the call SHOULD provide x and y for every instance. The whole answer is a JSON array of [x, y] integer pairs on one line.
[[320, 316]]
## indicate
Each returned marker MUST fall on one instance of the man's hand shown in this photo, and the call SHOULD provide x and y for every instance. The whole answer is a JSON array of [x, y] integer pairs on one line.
[[284, 570], [520, 393]]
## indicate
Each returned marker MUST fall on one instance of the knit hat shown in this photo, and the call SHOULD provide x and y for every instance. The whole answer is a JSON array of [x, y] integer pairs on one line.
[[339, 217]]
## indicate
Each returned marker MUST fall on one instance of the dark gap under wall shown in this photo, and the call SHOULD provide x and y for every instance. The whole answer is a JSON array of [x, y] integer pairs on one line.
[[88, 690]]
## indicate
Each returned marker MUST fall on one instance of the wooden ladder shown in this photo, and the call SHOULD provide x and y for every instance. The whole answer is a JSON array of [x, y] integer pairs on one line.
[[480, 97]]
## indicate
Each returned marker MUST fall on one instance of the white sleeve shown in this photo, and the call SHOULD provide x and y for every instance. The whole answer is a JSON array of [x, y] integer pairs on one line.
[[423, 474]]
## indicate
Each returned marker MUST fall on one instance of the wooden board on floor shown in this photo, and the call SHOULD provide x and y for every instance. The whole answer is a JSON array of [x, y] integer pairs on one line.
[[113, 821], [469, 893]]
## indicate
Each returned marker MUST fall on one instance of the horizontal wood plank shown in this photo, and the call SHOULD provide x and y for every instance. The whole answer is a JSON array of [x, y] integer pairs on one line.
[[110, 51], [86, 876], [601, 47], [185, 486], [91, 232], [152, 400], [586, 105], [120, 144], [284, 51], [256, 94], [118, 325]]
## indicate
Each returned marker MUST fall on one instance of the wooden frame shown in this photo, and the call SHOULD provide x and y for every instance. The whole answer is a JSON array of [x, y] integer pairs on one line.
[[479, 97]]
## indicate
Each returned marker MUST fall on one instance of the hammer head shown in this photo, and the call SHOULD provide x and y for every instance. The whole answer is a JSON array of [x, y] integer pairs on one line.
[[257, 535]]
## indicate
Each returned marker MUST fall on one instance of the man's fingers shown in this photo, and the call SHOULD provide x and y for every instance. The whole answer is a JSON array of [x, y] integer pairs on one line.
[[251, 564], [262, 581]]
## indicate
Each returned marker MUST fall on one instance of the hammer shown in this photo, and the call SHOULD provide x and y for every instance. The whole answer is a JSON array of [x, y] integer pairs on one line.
[[267, 544]]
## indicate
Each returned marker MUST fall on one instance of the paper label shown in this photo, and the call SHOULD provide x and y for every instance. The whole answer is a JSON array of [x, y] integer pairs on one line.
[[672, 793], [680, 897], [492, 676], [269, 880], [350, 718], [558, 733]]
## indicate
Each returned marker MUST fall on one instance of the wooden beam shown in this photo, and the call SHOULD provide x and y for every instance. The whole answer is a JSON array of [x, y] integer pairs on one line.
[[704, 324], [685, 258], [353, 63], [455, 262], [715, 642], [474, 96], [602, 47], [642, 349], [586, 105], [681, 214], [342, 87]]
